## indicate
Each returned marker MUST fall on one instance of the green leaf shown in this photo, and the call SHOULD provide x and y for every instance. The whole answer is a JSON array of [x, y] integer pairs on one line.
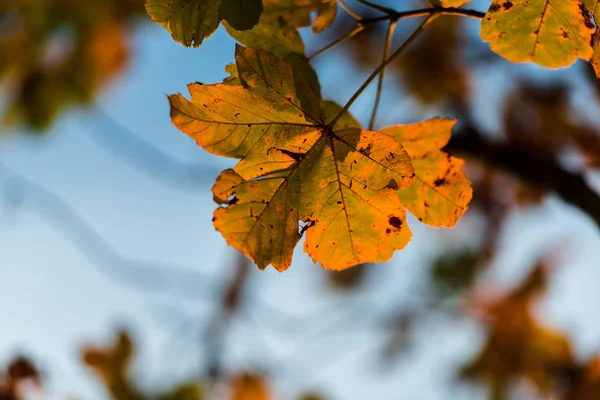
[[297, 13], [189, 21], [241, 14], [549, 33]]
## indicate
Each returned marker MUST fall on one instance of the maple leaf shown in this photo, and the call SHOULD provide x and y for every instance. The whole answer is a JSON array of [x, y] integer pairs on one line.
[[297, 13], [341, 181], [549, 33], [192, 21]]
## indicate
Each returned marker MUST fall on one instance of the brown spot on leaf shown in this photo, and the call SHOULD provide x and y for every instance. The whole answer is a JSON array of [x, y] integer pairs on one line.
[[395, 222], [507, 5], [439, 182]]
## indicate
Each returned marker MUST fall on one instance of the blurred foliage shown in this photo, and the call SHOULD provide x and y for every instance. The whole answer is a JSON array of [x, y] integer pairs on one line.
[[454, 273], [19, 371], [54, 54]]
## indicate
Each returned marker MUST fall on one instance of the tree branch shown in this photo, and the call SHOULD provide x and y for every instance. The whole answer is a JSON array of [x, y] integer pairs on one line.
[[384, 64], [538, 169]]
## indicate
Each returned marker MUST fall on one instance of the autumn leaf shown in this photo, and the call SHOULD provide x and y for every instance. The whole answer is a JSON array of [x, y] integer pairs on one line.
[[552, 34], [441, 191], [297, 13], [294, 167], [342, 182]]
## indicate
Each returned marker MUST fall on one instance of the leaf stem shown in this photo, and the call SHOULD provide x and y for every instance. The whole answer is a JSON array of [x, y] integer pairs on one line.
[[386, 53], [432, 16], [377, 7], [359, 28], [349, 11]]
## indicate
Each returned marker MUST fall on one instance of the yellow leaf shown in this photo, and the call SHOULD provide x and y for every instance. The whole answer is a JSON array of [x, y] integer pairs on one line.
[[441, 191], [547, 32], [298, 175]]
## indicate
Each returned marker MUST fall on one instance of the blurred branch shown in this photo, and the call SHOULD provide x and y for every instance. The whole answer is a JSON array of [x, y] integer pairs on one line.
[[148, 158], [143, 275], [538, 169]]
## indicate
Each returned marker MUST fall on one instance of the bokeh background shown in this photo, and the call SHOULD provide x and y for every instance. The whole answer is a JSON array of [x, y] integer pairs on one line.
[[105, 223]]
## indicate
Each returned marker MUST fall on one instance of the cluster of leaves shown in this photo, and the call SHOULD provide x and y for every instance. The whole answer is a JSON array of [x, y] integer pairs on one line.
[[307, 161], [307, 166], [57, 53]]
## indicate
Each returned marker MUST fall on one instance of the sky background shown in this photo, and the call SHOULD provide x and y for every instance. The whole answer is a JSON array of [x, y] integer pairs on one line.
[[57, 294]]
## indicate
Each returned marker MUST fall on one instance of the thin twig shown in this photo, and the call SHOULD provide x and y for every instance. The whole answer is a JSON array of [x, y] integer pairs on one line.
[[384, 64], [377, 7], [386, 53], [356, 30], [348, 10]]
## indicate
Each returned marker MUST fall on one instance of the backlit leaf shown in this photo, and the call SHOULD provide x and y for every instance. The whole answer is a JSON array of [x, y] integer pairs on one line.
[[189, 21], [341, 183], [549, 33], [342, 186], [441, 191], [297, 13]]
